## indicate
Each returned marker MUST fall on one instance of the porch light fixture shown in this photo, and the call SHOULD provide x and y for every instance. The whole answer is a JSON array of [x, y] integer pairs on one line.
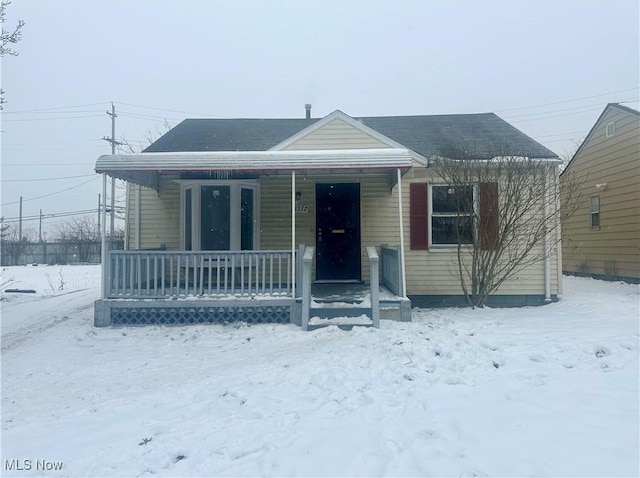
[[298, 195]]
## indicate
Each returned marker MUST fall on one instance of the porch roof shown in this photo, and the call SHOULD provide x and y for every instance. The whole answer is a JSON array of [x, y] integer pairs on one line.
[[145, 168]]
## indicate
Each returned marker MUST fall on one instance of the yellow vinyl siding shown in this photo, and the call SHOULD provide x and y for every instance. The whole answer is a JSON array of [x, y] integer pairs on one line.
[[378, 212], [336, 134], [613, 249], [430, 272], [434, 272], [160, 216]]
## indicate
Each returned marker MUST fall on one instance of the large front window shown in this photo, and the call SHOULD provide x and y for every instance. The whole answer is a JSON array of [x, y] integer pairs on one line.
[[451, 215], [219, 215]]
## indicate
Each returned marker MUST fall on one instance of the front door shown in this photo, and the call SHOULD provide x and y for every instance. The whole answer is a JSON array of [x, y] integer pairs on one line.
[[338, 232]]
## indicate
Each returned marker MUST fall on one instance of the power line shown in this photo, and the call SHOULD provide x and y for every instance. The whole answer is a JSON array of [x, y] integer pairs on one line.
[[54, 108], [45, 179], [36, 217], [51, 194], [560, 134], [554, 111], [171, 111], [148, 117], [556, 116], [50, 112], [567, 101], [52, 119]]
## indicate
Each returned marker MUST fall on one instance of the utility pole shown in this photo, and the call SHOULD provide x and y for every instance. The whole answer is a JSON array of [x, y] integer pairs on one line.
[[99, 215], [113, 142], [20, 222], [40, 227]]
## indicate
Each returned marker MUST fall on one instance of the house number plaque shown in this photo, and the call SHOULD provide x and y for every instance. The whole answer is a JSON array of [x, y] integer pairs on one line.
[[302, 209]]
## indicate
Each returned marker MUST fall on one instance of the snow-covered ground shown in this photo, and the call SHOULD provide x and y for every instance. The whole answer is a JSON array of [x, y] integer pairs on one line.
[[539, 391]]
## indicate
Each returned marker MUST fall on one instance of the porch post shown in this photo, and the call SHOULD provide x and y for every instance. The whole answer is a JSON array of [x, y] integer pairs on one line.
[[293, 235], [403, 274], [103, 238]]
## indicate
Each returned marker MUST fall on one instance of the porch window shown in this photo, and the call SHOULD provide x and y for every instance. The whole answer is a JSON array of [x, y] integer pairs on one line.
[[452, 214], [219, 215]]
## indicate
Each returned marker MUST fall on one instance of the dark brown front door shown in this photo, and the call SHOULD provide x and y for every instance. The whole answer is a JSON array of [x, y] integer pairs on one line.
[[338, 232]]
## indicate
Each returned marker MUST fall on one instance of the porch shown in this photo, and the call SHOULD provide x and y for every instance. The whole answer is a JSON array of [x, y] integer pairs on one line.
[[210, 236], [182, 288]]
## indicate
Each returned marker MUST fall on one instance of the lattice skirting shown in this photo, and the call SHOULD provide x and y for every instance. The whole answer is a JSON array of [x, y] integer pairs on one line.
[[193, 315]]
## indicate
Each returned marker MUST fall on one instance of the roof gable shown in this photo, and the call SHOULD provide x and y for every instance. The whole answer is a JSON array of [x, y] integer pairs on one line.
[[597, 125], [360, 127]]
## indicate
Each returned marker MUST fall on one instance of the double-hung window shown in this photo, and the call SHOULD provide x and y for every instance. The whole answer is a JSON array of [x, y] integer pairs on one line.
[[219, 215], [594, 205], [452, 214]]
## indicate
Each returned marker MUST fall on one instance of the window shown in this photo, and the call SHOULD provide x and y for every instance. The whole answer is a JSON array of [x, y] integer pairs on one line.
[[611, 129], [219, 215], [452, 214], [595, 211]]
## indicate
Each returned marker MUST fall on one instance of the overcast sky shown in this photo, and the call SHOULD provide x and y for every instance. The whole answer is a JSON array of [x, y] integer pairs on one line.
[[547, 67]]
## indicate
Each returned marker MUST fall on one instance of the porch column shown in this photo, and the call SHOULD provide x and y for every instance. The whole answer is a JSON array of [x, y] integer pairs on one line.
[[403, 285], [293, 235], [103, 238]]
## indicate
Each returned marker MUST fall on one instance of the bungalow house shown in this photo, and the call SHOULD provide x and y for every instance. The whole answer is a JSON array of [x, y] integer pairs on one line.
[[602, 239], [295, 220]]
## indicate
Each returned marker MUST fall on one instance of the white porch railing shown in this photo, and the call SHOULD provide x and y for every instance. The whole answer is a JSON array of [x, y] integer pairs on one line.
[[157, 274]]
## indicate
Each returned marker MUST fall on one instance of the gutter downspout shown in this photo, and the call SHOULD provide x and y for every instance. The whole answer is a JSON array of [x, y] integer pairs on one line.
[[547, 240], [403, 285], [293, 235]]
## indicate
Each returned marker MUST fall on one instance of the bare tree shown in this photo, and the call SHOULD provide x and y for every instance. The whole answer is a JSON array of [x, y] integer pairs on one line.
[[82, 232], [13, 246], [7, 39], [503, 215], [4, 228]]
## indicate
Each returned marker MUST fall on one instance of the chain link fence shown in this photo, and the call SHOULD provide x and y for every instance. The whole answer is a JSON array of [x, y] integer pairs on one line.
[[13, 253]]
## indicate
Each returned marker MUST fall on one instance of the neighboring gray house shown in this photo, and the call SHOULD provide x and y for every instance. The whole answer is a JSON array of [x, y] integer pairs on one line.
[[223, 215]]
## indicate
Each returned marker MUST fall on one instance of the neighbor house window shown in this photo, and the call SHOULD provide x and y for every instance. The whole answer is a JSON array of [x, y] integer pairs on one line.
[[452, 214], [611, 129], [219, 215], [595, 211]]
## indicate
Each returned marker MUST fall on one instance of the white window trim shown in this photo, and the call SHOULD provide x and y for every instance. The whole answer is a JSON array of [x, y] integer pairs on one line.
[[446, 247], [235, 190]]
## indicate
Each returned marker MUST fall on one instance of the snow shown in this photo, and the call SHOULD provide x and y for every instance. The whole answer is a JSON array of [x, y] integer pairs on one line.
[[535, 391]]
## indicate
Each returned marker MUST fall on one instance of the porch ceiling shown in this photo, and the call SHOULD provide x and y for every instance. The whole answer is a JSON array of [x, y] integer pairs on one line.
[[145, 168]]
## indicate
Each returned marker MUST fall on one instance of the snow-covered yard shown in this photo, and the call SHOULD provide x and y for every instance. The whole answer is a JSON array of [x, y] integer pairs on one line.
[[540, 391]]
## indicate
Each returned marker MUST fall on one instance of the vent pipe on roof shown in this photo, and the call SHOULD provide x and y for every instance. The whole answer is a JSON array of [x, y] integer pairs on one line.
[[308, 108]]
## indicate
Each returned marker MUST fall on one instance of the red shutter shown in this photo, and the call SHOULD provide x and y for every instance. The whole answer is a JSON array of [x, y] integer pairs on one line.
[[419, 216], [488, 228]]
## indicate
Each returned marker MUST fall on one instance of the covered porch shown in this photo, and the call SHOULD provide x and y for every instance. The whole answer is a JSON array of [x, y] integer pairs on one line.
[[247, 278]]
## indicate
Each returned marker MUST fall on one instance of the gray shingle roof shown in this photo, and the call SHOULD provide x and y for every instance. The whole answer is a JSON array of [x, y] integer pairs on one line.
[[455, 136]]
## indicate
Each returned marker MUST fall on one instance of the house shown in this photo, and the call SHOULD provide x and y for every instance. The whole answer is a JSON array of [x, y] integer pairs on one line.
[[602, 239], [284, 220]]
